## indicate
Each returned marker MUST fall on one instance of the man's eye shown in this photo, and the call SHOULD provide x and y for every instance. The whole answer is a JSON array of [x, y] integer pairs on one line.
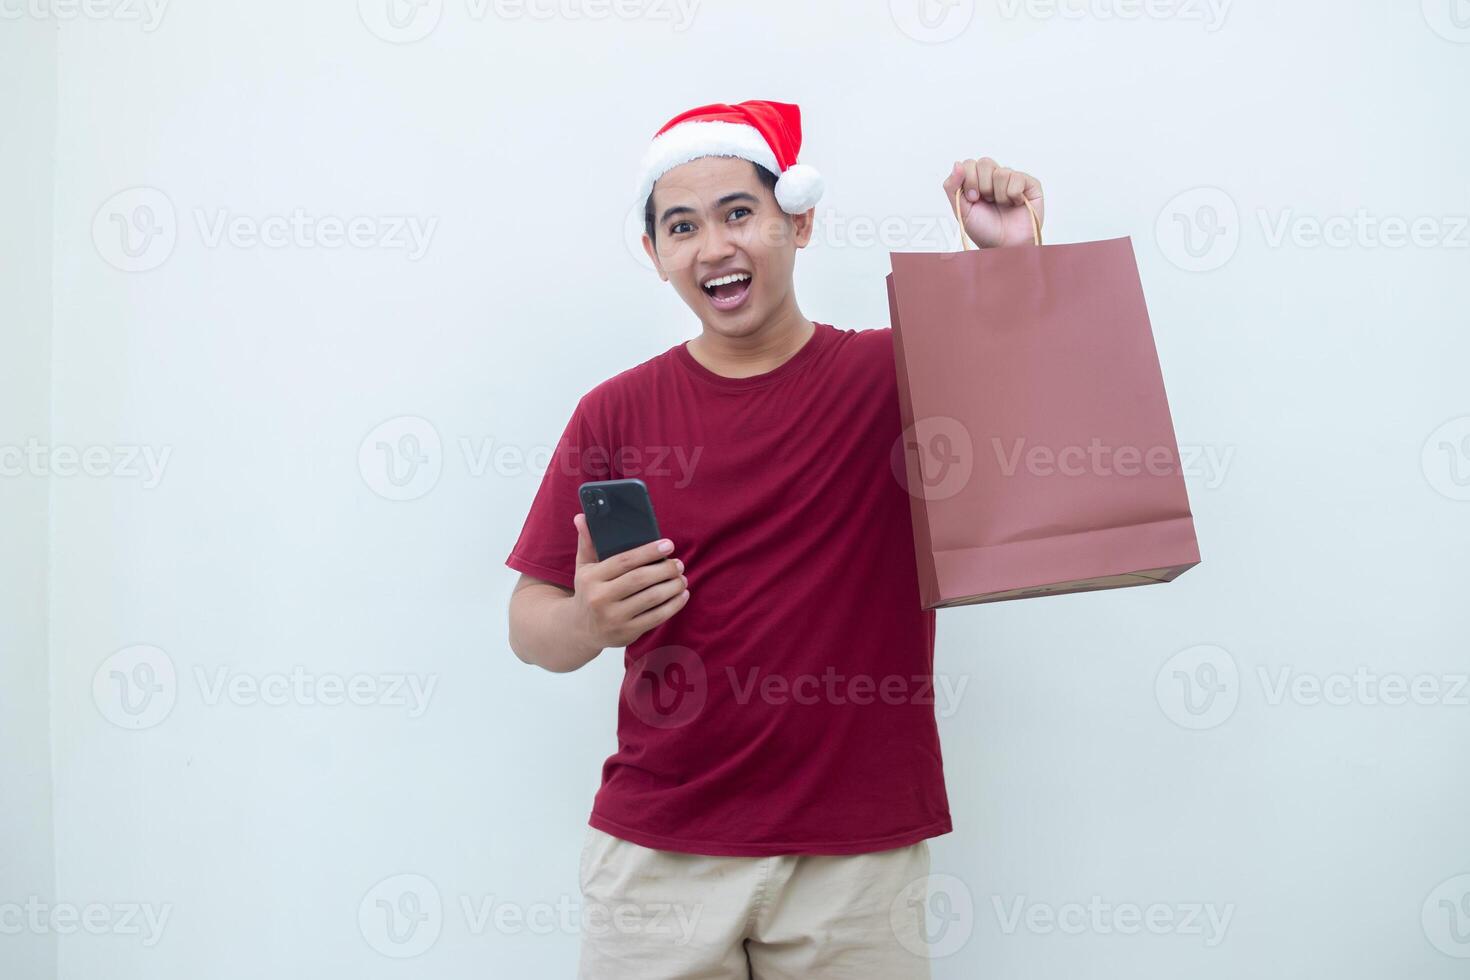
[[735, 212], [674, 229]]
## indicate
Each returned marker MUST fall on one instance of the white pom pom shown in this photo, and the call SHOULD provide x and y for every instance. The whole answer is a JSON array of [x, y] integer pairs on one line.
[[799, 188]]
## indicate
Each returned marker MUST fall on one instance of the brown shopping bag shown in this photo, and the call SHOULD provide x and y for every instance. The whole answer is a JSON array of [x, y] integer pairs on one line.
[[1038, 450]]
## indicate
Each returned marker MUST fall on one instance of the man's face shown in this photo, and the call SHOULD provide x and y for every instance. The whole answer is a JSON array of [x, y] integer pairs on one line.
[[714, 217]]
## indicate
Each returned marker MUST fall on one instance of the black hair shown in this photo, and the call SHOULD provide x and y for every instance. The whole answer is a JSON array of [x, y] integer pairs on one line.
[[766, 177]]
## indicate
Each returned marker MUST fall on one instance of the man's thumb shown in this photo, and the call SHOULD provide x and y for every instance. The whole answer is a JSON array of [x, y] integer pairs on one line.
[[586, 553]]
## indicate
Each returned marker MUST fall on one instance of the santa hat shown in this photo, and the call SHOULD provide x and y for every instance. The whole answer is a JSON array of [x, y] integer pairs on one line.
[[767, 133]]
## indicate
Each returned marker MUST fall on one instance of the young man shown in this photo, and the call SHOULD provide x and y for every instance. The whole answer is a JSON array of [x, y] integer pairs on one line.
[[778, 771]]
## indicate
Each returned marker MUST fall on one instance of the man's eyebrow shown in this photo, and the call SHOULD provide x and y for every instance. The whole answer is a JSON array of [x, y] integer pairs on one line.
[[727, 199]]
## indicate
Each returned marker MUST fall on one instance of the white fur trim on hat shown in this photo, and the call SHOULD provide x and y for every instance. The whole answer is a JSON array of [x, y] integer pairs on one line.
[[715, 138]]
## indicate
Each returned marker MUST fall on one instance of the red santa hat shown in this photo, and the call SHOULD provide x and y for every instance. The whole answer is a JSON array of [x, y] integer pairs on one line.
[[767, 133]]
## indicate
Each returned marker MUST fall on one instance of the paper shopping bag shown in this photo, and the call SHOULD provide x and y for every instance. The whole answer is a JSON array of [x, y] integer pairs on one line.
[[1038, 450]]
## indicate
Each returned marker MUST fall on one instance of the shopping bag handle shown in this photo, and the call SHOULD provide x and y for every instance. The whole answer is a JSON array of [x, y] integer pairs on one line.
[[965, 242]]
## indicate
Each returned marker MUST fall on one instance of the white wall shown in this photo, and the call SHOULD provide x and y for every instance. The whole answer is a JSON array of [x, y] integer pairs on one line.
[[265, 536], [27, 142]]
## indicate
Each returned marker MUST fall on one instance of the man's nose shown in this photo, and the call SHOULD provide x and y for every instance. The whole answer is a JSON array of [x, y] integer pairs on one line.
[[716, 243]]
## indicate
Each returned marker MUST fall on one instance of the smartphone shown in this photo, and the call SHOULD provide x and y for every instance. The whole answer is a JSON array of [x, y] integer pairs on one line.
[[619, 515]]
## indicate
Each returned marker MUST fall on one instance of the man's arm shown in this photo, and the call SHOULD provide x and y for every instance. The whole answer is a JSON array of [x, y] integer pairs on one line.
[[612, 603], [544, 629]]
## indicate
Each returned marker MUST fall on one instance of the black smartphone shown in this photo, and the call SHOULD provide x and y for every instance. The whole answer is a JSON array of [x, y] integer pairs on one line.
[[619, 515]]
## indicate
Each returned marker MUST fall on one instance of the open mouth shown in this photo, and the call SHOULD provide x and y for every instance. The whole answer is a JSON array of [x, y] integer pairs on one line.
[[727, 292]]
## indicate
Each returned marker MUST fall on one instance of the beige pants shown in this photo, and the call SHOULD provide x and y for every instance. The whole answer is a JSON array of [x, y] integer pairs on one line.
[[660, 915]]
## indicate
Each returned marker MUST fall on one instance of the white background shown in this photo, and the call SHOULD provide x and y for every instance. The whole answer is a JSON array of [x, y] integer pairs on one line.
[[1082, 767]]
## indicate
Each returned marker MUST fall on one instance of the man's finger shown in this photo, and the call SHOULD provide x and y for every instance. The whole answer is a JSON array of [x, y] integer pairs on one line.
[[626, 561], [586, 552], [1015, 187], [954, 181]]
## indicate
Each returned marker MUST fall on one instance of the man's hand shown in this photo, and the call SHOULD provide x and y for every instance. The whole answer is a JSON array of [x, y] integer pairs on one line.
[[992, 208], [625, 596]]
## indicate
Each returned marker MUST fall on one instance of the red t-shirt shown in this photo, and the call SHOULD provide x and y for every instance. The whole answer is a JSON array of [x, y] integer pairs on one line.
[[788, 708]]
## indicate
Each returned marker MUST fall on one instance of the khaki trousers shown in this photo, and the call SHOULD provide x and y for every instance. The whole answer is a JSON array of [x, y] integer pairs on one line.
[[650, 914]]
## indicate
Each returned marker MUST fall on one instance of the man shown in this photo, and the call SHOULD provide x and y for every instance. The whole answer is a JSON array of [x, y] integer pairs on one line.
[[778, 771]]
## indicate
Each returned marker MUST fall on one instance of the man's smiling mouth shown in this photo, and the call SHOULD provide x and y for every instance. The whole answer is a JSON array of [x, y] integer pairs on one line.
[[729, 291]]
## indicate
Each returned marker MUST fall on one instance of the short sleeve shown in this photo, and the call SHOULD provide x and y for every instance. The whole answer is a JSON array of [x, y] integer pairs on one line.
[[547, 547]]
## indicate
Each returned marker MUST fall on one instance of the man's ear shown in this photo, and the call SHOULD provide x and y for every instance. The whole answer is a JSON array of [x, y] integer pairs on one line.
[[653, 256], [804, 225]]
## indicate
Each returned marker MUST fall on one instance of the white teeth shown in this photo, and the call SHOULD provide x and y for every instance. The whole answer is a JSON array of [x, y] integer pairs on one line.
[[723, 280]]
